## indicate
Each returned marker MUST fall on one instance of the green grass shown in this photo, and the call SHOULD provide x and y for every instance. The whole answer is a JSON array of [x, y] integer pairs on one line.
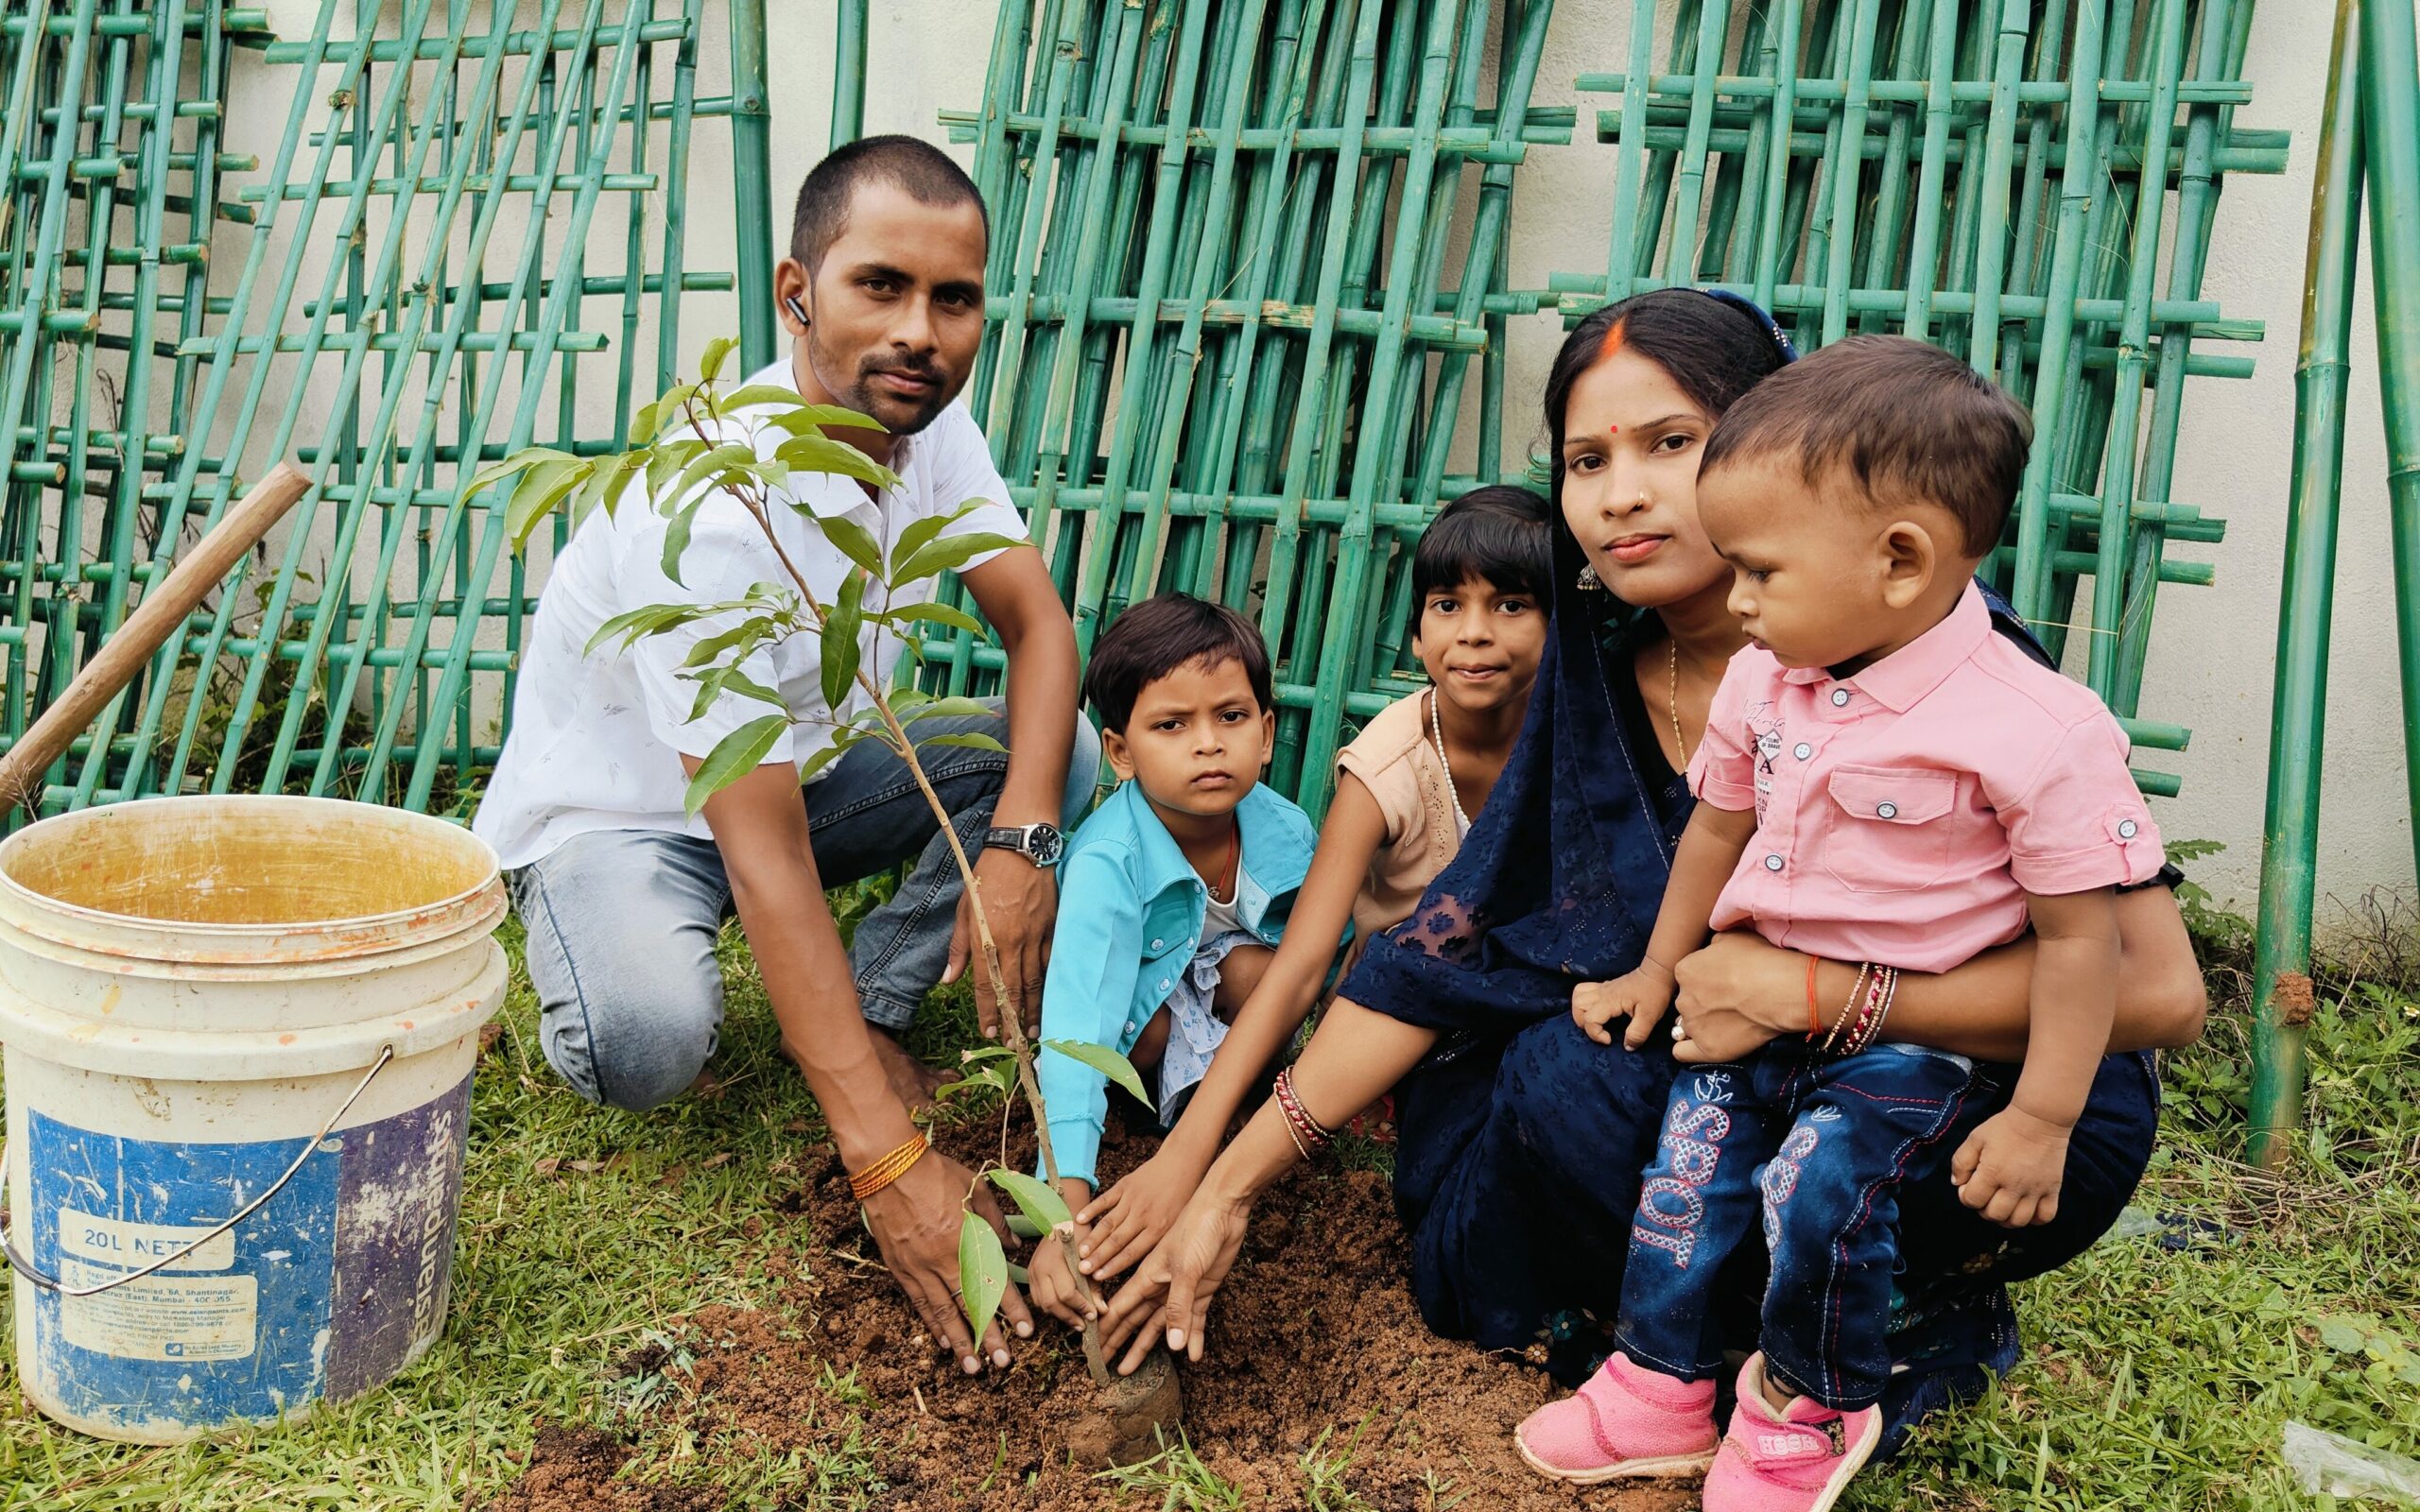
[[2153, 1379]]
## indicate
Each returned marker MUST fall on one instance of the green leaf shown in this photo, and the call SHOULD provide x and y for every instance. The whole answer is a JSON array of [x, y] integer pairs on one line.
[[707, 464], [1105, 1060], [734, 757], [919, 533], [673, 407], [957, 619], [943, 709], [642, 425], [822, 759], [676, 540], [528, 456], [1039, 1202], [734, 681], [664, 461], [972, 742], [855, 541], [715, 645], [753, 396], [606, 479], [820, 453], [535, 496], [951, 553], [802, 419], [2343, 1336], [717, 350], [654, 619], [840, 640], [982, 1271]]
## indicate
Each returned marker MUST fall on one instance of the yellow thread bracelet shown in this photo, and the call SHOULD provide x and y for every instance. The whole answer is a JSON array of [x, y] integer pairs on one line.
[[890, 1168]]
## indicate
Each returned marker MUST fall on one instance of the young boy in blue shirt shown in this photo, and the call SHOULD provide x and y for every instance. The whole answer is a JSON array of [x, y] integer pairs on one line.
[[1174, 894]]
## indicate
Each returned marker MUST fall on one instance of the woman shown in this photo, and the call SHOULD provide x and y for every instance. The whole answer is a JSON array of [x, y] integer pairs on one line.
[[1522, 1143]]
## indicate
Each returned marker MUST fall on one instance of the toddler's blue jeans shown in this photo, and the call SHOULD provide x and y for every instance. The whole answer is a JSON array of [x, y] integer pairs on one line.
[[1821, 1147]]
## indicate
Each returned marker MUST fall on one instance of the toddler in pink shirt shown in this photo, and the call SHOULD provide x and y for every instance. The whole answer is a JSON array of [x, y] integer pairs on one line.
[[1883, 777]]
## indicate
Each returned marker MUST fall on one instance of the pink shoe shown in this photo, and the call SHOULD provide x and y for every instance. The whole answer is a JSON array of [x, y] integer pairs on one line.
[[1625, 1421], [1799, 1461]]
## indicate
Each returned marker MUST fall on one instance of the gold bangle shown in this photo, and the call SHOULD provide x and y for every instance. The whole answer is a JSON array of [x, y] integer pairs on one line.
[[890, 1168]]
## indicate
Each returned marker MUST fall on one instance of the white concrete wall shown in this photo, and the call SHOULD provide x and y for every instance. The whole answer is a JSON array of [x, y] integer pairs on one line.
[[2214, 649]]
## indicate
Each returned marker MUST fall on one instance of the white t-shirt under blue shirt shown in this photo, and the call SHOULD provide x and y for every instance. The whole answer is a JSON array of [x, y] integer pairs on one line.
[[597, 740]]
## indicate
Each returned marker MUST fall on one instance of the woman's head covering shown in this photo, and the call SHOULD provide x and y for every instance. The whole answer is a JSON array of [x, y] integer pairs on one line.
[[1561, 874]]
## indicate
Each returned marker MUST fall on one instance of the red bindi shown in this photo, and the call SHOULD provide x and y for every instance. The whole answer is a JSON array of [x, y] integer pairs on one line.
[[1615, 429]]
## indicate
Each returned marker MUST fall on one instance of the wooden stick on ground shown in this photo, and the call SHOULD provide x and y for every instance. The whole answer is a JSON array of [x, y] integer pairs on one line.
[[146, 631]]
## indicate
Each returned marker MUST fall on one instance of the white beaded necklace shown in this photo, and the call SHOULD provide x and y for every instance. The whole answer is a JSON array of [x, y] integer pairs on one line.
[[1437, 729]]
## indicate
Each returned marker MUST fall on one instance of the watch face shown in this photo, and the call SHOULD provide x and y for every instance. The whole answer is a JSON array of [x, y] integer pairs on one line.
[[1045, 844]]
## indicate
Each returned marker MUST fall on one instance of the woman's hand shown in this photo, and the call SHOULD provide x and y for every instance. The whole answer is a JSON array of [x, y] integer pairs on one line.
[[1131, 1216], [1173, 1285], [1737, 994]]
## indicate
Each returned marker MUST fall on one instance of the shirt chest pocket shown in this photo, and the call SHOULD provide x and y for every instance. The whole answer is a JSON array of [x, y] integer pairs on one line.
[[1167, 931], [1888, 828]]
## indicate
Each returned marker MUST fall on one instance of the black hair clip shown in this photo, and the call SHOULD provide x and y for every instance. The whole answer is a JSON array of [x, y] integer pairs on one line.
[[1757, 313]]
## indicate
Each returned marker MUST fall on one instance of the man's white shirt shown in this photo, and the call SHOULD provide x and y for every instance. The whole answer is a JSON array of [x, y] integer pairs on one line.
[[597, 740]]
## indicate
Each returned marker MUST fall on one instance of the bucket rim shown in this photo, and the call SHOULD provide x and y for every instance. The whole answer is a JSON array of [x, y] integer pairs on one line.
[[353, 924]]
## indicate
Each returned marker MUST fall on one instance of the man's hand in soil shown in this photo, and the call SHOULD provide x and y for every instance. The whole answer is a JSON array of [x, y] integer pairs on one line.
[[1173, 1285], [915, 1220], [1134, 1214], [1022, 901]]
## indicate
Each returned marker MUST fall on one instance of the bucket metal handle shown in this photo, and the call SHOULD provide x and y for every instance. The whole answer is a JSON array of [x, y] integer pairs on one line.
[[24, 1265]]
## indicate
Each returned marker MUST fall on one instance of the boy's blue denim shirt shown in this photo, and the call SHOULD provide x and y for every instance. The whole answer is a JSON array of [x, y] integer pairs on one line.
[[1131, 908]]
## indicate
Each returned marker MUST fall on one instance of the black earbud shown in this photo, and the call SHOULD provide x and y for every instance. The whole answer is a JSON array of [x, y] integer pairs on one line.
[[796, 310]]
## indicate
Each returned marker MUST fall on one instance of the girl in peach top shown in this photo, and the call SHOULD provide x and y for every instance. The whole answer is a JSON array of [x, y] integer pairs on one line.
[[1408, 787]]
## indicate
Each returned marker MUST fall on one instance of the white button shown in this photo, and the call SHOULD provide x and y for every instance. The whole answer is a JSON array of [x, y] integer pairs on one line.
[[2125, 828], [1131, 1027], [1773, 863], [1887, 810], [1164, 984], [1804, 750], [1156, 944], [1840, 697]]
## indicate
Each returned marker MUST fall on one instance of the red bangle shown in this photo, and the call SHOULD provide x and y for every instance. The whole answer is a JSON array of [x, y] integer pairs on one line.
[[1814, 1014]]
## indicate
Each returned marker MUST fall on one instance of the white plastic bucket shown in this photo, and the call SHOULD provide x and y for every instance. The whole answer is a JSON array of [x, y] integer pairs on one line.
[[191, 989]]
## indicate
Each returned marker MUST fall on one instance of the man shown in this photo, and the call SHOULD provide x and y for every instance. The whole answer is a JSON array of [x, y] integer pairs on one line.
[[623, 895]]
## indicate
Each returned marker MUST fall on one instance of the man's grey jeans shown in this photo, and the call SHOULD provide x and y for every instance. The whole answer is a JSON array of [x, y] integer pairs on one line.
[[622, 924]]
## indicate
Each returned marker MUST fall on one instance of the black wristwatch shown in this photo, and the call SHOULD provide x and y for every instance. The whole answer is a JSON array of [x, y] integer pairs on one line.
[[1041, 844]]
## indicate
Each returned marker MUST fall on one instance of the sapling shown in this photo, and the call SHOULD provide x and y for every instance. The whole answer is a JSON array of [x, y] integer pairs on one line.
[[697, 443]]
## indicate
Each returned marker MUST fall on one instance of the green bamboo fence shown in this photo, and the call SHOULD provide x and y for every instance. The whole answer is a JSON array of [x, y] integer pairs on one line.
[[2032, 187], [1225, 354], [470, 238]]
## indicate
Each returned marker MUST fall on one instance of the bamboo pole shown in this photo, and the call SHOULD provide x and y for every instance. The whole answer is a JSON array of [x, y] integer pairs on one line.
[[2390, 85], [2281, 1001]]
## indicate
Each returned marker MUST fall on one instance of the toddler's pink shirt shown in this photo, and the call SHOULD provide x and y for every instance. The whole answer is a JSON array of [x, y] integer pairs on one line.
[[1903, 814]]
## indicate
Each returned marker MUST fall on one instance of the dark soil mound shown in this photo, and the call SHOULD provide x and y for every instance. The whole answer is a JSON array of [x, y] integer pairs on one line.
[[1314, 1334]]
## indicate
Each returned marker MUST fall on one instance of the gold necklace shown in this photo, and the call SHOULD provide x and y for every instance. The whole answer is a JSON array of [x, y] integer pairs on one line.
[[1674, 699]]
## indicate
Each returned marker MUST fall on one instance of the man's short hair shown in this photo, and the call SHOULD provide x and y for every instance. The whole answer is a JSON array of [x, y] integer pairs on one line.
[[1908, 422], [1497, 532], [923, 171], [1161, 634]]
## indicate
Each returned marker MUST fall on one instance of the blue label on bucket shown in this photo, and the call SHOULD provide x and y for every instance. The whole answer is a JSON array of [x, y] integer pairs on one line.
[[320, 1294]]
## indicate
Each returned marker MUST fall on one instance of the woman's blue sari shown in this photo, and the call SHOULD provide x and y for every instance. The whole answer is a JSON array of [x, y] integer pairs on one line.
[[1522, 1141]]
